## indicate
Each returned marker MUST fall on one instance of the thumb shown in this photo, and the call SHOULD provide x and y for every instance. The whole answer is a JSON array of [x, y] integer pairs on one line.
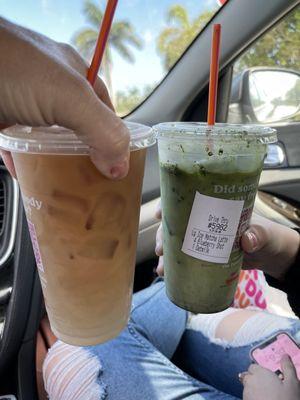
[[158, 213], [288, 368], [160, 266], [254, 239], [98, 126]]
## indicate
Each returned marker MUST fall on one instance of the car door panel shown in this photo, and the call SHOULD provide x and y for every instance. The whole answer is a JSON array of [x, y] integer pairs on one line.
[[288, 134], [147, 231], [288, 190], [284, 183], [151, 186], [267, 210]]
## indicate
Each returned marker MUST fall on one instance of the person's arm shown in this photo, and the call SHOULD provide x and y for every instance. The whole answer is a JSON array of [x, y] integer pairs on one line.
[[43, 83]]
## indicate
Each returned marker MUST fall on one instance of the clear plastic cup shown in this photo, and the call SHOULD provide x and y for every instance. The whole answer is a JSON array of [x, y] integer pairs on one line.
[[83, 228], [209, 179]]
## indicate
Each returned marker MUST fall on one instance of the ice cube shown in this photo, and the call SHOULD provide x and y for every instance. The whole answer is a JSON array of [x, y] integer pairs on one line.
[[99, 248], [109, 208], [70, 200]]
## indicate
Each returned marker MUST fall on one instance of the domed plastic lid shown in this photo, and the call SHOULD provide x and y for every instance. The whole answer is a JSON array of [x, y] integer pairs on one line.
[[58, 140], [227, 132]]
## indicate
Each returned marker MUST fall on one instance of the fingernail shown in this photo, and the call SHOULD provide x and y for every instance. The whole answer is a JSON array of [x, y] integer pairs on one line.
[[241, 376], [253, 240], [119, 171]]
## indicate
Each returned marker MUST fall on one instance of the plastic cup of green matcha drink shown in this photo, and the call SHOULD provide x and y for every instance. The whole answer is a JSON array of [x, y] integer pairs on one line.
[[209, 179]]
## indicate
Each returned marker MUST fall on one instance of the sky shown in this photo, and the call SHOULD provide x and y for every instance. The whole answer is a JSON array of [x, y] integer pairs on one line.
[[60, 19]]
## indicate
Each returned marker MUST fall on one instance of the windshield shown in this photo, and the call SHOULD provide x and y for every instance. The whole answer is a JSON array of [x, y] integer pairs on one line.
[[147, 37]]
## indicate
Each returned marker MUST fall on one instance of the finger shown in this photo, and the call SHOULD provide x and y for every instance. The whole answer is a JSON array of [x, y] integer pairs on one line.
[[159, 242], [160, 266], [250, 241], [288, 368], [102, 93], [104, 132], [255, 368], [258, 372], [8, 161], [80, 65], [243, 376], [158, 210]]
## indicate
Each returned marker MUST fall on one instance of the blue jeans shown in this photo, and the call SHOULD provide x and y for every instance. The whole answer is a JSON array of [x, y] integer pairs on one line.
[[136, 365]]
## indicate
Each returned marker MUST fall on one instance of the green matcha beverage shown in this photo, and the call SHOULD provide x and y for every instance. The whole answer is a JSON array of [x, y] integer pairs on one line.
[[209, 179]]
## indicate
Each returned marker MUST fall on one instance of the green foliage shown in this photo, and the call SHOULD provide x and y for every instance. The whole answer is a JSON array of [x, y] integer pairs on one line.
[[178, 35], [122, 37], [122, 34], [126, 101], [280, 47]]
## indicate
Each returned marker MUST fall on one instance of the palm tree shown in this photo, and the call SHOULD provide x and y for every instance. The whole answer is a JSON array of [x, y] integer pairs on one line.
[[176, 37], [121, 37]]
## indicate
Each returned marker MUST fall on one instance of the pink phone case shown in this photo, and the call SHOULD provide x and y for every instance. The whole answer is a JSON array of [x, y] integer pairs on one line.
[[269, 353]]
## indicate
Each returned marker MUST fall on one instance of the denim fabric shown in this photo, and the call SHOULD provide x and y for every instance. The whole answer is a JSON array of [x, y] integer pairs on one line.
[[218, 364], [136, 365]]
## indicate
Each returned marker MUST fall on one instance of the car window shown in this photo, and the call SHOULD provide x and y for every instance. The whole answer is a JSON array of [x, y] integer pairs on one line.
[[266, 80], [147, 37]]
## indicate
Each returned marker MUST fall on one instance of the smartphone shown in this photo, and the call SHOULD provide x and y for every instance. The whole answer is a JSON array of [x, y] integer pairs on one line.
[[268, 354]]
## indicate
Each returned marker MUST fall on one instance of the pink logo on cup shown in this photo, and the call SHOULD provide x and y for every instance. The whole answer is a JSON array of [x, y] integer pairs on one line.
[[35, 246], [250, 290]]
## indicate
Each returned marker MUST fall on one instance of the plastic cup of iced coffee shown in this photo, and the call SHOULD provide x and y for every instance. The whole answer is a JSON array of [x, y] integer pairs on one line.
[[209, 179], [83, 228]]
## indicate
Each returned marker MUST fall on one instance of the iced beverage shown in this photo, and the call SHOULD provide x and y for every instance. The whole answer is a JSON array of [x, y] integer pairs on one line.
[[83, 229], [209, 179]]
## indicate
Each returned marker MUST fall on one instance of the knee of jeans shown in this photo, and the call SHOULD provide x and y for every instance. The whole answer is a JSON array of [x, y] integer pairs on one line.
[[72, 373], [256, 327]]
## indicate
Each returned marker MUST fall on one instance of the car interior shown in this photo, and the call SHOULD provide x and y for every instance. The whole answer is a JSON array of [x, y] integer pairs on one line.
[[25, 333]]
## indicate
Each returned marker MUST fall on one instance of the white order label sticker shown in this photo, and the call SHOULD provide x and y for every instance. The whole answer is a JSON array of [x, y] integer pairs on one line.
[[212, 228]]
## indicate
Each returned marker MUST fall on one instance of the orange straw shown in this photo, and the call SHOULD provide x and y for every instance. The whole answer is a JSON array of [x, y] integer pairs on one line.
[[102, 40], [214, 74]]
